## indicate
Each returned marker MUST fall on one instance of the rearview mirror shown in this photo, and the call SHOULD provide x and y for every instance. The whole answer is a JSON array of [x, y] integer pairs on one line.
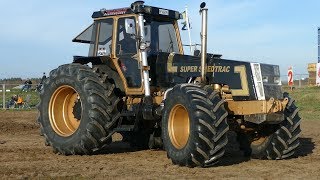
[[130, 26]]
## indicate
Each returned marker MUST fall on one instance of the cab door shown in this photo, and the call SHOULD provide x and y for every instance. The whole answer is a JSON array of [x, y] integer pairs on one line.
[[105, 36], [126, 52]]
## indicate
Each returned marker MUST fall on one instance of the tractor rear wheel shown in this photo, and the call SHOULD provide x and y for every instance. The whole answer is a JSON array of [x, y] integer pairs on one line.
[[78, 110], [194, 126], [281, 143]]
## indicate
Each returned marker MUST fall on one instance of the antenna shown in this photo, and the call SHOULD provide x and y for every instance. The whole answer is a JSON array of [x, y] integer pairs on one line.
[[189, 31]]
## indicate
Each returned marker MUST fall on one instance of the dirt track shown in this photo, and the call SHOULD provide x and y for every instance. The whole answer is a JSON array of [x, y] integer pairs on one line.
[[24, 155]]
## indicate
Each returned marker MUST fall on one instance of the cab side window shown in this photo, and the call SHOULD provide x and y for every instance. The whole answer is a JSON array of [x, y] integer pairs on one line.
[[126, 42], [88, 36], [105, 38]]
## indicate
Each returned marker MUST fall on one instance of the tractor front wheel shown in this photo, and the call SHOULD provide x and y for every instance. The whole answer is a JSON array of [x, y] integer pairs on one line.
[[275, 141], [194, 126]]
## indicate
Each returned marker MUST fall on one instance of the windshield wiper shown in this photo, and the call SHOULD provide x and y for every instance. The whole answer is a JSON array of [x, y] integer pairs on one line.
[[171, 42]]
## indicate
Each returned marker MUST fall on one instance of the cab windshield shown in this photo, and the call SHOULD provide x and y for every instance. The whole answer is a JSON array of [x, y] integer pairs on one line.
[[161, 35]]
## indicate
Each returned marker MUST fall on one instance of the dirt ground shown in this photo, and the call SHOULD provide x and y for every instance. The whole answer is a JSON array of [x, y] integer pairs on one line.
[[24, 155]]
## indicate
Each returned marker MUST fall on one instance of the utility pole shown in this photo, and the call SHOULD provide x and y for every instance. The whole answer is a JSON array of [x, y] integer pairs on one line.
[[318, 44], [4, 96]]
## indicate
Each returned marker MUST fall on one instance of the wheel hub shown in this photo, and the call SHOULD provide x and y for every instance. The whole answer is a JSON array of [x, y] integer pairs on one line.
[[258, 140], [77, 110], [65, 110], [179, 126]]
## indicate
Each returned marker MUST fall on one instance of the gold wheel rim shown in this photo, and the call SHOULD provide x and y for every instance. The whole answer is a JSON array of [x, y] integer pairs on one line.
[[179, 126], [62, 111]]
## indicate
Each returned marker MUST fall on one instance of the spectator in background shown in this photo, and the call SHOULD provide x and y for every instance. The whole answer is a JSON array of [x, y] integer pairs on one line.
[[44, 77], [27, 85], [19, 102], [40, 85], [12, 101]]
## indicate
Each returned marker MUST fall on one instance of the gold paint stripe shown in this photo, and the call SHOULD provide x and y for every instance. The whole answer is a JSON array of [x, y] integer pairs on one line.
[[170, 67], [244, 91]]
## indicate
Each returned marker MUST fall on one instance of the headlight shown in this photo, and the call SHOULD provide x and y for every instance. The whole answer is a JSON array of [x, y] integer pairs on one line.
[[265, 79], [276, 70], [277, 80]]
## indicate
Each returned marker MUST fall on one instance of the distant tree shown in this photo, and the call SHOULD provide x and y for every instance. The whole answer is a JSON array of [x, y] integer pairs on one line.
[[15, 80]]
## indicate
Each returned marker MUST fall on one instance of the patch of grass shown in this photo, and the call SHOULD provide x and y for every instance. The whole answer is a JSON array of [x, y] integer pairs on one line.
[[308, 101], [34, 100]]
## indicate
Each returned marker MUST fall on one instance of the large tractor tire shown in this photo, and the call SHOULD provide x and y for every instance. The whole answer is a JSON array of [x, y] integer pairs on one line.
[[78, 110], [283, 140], [194, 126]]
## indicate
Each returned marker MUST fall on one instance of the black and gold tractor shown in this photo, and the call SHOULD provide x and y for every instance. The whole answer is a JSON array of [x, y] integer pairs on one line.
[[136, 81]]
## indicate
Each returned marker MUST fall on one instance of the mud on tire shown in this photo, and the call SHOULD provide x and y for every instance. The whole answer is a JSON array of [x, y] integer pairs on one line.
[[205, 143], [97, 111]]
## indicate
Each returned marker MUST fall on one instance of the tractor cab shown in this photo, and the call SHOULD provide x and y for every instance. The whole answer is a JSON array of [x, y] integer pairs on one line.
[[117, 35]]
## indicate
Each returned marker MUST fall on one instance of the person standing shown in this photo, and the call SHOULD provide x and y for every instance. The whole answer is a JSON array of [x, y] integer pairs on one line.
[[27, 85], [44, 77], [40, 85]]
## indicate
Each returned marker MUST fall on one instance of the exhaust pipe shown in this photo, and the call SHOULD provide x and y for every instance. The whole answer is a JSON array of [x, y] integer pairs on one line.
[[204, 14], [147, 109], [137, 7]]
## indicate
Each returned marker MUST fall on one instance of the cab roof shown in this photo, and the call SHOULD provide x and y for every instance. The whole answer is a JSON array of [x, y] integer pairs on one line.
[[138, 7]]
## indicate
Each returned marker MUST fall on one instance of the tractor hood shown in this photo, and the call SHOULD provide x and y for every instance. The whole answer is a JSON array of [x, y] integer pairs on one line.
[[247, 81]]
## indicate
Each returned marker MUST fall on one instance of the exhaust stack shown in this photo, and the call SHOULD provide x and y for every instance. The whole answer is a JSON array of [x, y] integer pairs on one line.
[[204, 14]]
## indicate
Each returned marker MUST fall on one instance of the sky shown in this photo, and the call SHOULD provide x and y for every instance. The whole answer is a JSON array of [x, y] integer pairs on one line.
[[36, 35]]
